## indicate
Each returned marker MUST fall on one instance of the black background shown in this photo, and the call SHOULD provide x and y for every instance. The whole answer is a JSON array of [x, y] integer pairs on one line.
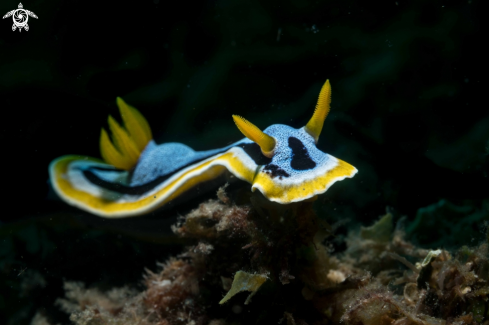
[[406, 77], [409, 94]]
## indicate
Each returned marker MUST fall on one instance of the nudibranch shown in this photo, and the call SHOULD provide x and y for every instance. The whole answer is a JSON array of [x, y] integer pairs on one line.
[[137, 176]]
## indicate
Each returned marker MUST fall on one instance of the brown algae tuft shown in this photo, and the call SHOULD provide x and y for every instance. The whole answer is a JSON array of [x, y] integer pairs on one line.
[[278, 254]]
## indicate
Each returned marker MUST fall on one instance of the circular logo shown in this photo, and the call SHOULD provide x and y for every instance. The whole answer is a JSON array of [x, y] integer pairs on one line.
[[20, 17]]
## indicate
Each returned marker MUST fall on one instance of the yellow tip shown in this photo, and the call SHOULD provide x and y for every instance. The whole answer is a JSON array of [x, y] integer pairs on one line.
[[127, 142], [252, 132], [110, 154], [135, 124], [315, 124]]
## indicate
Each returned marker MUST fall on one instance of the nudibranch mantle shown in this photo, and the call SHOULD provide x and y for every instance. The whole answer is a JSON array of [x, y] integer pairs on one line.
[[298, 170], [281, 162]]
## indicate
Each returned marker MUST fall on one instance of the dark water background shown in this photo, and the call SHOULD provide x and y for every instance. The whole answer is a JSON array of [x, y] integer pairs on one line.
[[409, 111]]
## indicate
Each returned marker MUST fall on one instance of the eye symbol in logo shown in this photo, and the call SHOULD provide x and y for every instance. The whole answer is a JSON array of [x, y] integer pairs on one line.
[[20, 17]]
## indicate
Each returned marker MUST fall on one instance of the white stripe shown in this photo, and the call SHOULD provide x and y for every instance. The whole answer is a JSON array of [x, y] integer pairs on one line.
[[79, 182]]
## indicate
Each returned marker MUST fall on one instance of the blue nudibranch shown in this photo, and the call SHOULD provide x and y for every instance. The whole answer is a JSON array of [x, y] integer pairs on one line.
[[139, 176]]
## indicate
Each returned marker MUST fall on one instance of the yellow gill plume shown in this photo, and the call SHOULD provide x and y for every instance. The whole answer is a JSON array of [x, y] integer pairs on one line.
[[135, 124], [127, 142], [315, 124], [252, 132]]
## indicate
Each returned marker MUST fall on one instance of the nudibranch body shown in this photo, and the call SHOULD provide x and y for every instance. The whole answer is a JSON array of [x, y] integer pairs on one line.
[[138, 176]]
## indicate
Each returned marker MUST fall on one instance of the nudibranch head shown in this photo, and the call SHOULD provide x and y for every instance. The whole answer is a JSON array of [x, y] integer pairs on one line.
[[294, 169]]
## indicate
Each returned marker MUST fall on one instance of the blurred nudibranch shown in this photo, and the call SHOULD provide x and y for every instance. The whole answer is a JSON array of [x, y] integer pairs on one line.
[[137, 176]]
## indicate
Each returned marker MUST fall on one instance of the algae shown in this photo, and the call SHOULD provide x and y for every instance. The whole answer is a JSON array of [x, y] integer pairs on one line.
[[449, 225], [244, 281], [379, 231], [380, 279]]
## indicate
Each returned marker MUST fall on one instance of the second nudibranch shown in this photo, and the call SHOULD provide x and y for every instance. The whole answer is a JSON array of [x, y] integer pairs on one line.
[[137, 176]]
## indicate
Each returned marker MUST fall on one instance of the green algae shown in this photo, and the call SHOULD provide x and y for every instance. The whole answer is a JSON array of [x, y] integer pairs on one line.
[[244, 281], [380, 231], [445, 224]]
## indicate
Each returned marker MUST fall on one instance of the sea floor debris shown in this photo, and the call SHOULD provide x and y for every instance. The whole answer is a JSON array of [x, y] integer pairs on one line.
[[279, 254]]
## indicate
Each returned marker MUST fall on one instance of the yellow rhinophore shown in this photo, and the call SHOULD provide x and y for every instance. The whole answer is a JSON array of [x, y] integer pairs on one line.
[[252, 132], [315, 124]]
